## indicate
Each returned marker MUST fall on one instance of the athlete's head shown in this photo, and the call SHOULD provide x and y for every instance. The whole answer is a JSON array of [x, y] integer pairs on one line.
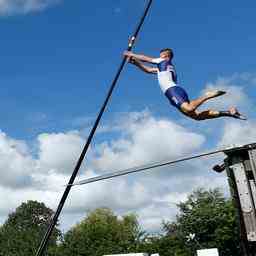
[[166, 53]]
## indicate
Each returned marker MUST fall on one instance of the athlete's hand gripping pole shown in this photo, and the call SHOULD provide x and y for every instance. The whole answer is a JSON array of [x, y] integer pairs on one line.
[[131, 42]]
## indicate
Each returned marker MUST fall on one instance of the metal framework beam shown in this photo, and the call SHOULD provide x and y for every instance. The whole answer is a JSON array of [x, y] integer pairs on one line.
[[159, 164], [240, 166]]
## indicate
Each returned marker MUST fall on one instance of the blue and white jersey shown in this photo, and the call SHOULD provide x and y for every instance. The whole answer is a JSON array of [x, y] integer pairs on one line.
[[167, 76]]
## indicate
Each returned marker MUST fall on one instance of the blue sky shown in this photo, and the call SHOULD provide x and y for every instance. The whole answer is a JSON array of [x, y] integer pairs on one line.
[[57, 64], [58, 58]]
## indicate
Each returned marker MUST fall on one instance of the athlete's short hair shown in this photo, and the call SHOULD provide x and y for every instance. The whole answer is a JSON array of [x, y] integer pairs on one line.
[[168, 50]]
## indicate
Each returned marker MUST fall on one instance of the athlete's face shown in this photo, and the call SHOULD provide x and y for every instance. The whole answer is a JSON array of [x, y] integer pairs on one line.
[[165, 54]]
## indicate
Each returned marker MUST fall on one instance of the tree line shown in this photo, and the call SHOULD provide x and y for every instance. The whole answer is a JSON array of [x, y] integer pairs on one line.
[[205, 220]]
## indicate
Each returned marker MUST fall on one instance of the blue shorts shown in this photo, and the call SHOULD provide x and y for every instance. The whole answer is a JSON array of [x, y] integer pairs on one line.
[[177, 95]]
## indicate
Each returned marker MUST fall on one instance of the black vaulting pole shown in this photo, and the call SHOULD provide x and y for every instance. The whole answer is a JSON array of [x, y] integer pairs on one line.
[[54, 220]]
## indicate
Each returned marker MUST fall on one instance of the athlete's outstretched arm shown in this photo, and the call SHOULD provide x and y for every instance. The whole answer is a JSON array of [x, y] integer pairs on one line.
[[146, 69], [140, 57]]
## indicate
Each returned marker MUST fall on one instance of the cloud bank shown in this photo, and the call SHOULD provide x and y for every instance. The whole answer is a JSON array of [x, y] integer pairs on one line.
[[135, 138], [12, 7], [142, 138]]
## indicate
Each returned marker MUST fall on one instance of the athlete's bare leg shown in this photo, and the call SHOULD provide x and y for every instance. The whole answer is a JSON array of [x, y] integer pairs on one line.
[[203, 115], [211, 114], [191, 106]]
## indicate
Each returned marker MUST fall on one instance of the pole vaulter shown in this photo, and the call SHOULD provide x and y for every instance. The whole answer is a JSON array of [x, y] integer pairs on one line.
[[54, 220]]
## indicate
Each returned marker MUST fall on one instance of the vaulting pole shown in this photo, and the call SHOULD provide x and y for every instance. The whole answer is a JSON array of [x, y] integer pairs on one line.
[[54, 220]]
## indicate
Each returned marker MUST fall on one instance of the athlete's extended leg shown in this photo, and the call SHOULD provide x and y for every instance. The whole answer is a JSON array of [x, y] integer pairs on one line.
[[211, 114], [194, 104], [179, 98], [203, 115]]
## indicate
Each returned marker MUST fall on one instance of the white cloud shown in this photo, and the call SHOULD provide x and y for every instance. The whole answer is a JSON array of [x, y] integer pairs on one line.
[[11, 199], [238, 133], [16, 163], [236, 94], [145, 139], [12, 7], [59, 151], [139, 138]]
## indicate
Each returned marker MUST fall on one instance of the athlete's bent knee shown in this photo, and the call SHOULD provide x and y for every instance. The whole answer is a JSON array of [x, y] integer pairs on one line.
[[194, 115], [197, 117], [187, 108]]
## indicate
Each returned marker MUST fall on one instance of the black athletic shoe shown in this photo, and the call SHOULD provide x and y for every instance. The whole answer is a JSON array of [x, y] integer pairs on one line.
[[213, 94], [239, 116], [233, 112]]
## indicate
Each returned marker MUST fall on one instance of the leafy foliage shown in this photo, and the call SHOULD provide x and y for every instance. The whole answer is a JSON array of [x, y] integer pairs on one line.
[[206, 220], [101, 232], [22, 232]]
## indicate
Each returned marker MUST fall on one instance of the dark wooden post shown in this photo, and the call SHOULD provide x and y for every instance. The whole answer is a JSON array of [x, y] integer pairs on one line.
[[240, 166]]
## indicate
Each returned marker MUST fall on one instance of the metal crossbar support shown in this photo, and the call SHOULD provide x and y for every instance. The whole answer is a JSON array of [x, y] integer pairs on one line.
[[54, 220], [240, 166], [150, 166], [142, 168]]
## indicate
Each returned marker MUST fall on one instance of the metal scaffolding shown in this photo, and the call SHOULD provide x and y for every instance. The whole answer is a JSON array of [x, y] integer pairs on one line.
[[240, 166]]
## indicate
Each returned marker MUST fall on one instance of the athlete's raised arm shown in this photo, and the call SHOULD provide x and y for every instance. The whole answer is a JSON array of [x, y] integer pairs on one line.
[[140, 57], [146, 69]]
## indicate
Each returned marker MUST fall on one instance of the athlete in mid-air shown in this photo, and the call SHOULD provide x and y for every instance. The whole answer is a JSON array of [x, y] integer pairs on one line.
[[177, 96]]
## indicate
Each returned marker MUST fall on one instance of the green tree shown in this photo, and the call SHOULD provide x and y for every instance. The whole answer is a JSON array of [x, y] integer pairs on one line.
[[101, 232], [22, 232], [206, 220]]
